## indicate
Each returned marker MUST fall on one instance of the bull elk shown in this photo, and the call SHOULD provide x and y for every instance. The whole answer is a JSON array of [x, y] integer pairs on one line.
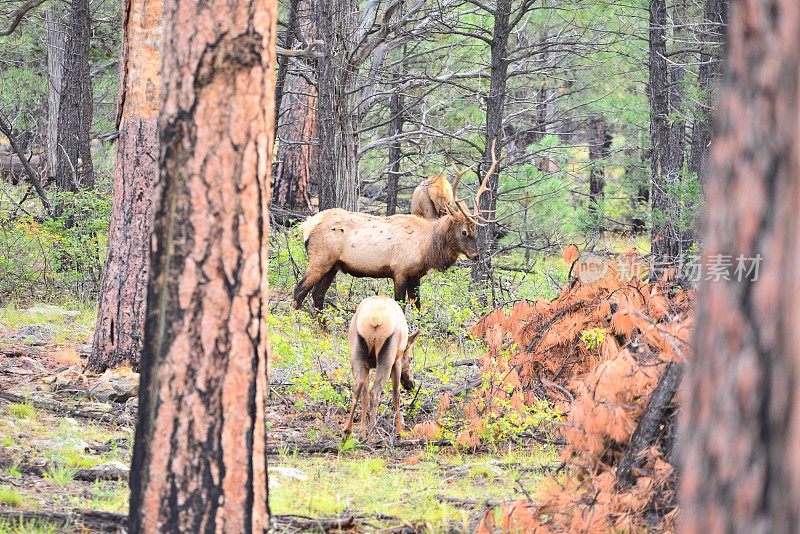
[[379, 339], [432, 196], [401, 247]]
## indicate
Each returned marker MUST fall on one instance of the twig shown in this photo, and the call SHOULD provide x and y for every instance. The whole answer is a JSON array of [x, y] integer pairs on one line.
[[16, 18], [33, 176]]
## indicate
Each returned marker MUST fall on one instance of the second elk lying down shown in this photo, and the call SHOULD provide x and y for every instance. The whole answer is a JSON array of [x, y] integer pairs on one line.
[[379, 340]]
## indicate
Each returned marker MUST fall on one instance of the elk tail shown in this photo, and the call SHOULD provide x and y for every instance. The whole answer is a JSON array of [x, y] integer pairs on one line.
[[375, 318]]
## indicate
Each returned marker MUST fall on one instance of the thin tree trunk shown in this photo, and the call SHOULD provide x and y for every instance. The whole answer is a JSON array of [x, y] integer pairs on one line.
[[740, 420], [599, 147], [712, 40], [495, 109], [56, 42], [336, 172], [199, 458], [283, 61], [74, 157], [395, 151], [664, 236], [119, 336], [296, 128]]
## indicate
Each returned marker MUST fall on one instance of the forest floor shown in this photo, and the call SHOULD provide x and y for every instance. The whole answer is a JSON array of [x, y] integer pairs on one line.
[[66, 437]]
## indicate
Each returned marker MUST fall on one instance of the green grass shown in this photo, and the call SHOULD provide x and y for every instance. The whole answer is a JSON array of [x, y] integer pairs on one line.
[[12, 471], [105, 496], [73, 322], [20, 526], [10, 496], [60, 475], [22, 411], [394, 487]]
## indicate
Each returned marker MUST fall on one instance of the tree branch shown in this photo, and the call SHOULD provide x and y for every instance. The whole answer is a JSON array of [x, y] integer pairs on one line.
[[33, 176], [16, 18]]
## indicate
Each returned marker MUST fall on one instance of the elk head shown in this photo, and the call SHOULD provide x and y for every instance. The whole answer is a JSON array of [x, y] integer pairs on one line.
[[476, 217]]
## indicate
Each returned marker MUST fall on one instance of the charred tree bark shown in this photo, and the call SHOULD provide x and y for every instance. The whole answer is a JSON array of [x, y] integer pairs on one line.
[[495, 109], [599, 149], [739, 418], [199, 457], [73, 155], [336, 171], [296, 128], [119, 335], [56, 42]]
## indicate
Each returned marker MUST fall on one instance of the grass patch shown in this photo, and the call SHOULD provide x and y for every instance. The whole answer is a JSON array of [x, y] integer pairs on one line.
[[407, 489], [60, 475], [22, 411], [10, 496], [13, 471], [106, 496], [21, 526]]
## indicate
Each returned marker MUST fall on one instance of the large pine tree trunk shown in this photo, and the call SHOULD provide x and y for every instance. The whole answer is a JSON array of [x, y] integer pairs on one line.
[[56, 41], [740, 413], [73, 156], [495, 109], [199, 457], [296, 128], [336, 172], [119, 335]]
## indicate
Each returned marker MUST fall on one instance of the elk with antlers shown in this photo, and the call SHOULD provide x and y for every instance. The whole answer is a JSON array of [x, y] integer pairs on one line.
[[401, 247], [379, 340]]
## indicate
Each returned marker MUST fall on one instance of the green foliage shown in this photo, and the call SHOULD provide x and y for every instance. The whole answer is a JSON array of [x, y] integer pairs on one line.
[[593, 337], [22, 526], [48, 259], [60, 475]]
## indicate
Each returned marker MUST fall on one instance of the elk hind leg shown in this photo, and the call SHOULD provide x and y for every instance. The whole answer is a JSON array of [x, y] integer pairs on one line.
[[318, 293], [385, 362], [398, 414]]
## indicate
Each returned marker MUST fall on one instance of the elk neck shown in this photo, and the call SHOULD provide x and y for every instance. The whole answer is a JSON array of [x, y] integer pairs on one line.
[[442, 252]]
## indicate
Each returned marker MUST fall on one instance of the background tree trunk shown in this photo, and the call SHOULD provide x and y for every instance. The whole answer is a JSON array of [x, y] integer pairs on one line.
[[199, 458], [56, 42], [336, 172], [664, 236], [599, 148], [296, 127], [119, 335], [495, 108], [740, 419], [395, 151], [712, 41], [74, 157]]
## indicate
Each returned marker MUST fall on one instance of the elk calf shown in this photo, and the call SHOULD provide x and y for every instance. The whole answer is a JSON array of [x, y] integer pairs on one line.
[[379, 340]]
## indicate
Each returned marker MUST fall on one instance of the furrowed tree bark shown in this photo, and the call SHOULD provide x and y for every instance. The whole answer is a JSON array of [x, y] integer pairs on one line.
[[740, 421], [495, 108], [296, 128], [119, 335], [199, 457], [336, 171], [664, 236], [73, 155]]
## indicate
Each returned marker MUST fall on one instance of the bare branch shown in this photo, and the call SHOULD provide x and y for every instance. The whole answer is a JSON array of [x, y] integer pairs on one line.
[[17, 17]]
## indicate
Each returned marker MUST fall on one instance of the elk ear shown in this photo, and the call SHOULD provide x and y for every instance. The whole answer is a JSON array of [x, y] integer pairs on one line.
[[412, 338]]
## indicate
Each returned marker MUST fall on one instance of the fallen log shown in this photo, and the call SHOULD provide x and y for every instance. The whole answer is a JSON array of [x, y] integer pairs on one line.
[[73, 520], [127, 417], [646, 432]]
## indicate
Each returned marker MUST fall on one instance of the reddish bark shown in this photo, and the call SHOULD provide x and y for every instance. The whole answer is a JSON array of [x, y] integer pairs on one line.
[[741, 469], [120, 322], [199, 457]]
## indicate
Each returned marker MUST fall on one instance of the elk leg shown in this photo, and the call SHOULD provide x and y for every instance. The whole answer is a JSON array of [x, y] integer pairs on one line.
[[360, 373], [400, 287], [365, 405], [398, 414], [386, 358], [318, 294], [413, 292], [305, 285]]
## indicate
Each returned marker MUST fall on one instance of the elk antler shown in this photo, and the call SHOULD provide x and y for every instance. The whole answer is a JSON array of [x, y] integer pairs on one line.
[[458, 175], [484, 187]]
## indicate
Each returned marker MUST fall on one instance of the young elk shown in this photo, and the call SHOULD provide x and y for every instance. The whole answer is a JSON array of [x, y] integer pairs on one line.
[[379, 340], [433, 196], [401, 247]]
